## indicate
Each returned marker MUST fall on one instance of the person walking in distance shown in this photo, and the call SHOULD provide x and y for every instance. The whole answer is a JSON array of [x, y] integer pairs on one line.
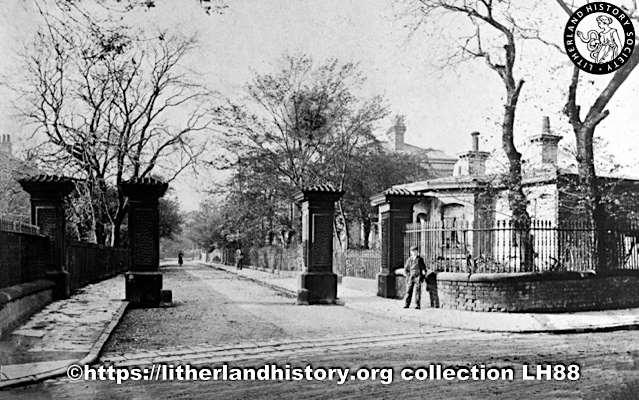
[[415, 272], [238, 258]]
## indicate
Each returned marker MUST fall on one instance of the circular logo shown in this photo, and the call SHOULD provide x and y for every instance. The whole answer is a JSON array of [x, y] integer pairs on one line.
[[599, 38]]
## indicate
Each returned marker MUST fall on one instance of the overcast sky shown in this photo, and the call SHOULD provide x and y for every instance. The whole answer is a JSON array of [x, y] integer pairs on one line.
[[441, 108]]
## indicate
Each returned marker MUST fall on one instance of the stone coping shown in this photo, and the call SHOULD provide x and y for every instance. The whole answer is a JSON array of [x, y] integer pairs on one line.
[[16, 292], [535, 276]]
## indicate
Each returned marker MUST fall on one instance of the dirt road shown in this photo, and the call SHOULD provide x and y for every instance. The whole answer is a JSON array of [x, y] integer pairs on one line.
[[216, 308]]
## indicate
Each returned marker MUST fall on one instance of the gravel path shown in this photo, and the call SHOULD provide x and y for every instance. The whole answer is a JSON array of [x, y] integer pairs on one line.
[[216, 307], [212, 306], [609, 370]]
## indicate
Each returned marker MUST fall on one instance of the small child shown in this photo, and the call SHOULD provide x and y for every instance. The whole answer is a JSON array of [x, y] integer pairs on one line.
[[431, 288]]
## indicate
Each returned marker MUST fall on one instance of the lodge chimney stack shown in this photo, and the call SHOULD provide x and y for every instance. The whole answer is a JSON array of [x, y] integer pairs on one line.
[[472, 162], [475, 136], [544, 148]]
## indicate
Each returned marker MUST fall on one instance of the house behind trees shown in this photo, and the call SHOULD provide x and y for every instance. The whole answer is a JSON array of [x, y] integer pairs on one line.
[[468, 211], [435, 163]]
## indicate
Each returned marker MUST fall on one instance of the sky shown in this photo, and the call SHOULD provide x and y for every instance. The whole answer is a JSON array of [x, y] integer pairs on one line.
[[441, 107]]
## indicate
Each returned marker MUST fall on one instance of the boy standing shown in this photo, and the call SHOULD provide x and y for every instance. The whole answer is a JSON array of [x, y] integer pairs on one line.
[[415, 272]]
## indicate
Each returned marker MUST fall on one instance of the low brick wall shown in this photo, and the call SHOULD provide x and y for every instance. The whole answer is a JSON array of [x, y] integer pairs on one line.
[[19, 302], [539, 292]]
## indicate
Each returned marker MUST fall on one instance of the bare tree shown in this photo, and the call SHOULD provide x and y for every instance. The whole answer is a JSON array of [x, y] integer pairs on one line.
[[584, 127], [209, 6], [110, 105], [589, 188], [494, 39]]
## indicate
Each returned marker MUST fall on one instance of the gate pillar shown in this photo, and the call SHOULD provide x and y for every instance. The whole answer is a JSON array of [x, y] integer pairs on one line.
[[47, 193], [318, 282], [396, 209], [143, 280]]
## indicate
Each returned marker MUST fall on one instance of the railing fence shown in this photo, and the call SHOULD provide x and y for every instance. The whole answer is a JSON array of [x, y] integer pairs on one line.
[[88, 262], [460, 246], [23, 257], [10, 225], [357, 263]]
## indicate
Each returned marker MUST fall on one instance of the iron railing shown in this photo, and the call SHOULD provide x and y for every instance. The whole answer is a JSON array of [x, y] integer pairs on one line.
[[89, 262], [23, 257], [10, 225], [500, 246], [357, 263], [288, 258]]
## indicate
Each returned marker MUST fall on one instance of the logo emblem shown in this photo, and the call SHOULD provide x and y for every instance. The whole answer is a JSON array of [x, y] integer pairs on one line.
[[599, 38]]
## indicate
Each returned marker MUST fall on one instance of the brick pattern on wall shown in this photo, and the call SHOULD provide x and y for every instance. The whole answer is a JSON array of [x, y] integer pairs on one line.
[[322, 240], [45, 219], [385, 260], [143, 237], [399, 256], [508, 295]]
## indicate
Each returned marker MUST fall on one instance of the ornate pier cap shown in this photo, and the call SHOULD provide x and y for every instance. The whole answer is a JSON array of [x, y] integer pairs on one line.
[[144, 189], [47, 187], [318, 282], [143, 284], [394, 196], [396, 210], [318, 193], [47, 193]]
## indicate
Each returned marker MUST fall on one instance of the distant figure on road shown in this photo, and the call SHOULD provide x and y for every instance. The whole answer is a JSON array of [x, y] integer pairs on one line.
[[415, 272], [238, 258], [180, 258]]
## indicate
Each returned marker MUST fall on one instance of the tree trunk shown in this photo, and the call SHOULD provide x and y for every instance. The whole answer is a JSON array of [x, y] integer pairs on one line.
[[516, 197], [101, 218], [366, 222], [587, 174], [116, 229], [116, 232], [344, 234], [590, 194], [100, 233]]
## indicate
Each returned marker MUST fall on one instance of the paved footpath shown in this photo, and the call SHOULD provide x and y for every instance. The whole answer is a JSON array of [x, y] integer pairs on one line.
[[74, 331], [456, 319], [65, 332]]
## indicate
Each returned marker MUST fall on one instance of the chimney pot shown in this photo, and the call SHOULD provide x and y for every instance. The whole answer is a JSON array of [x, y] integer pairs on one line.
[[472, 162], [545, 147], [545, 127], [475, 136]]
